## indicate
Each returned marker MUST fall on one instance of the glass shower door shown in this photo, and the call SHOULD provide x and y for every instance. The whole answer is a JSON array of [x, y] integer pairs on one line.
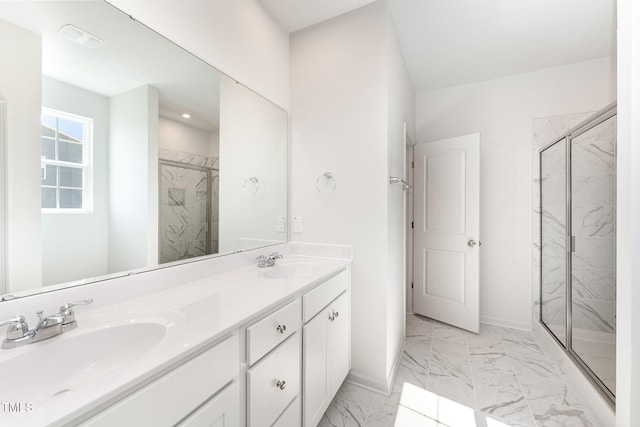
[[553, 239], [593, 260], [578, 244]]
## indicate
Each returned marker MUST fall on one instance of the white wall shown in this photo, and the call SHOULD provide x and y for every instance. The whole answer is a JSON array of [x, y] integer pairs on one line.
[[502, 111], [628, 213], [401, 110], [237, 37], [349, 97], [177, 136], [75, 245], [253, 143], [133, 179], [20, 87]]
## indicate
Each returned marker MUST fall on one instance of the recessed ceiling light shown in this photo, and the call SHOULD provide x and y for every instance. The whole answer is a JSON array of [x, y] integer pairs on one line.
[[80, 36], [186, 116]]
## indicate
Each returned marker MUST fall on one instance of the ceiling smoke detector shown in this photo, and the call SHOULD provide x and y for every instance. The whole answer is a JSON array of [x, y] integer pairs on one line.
[[80, 36]]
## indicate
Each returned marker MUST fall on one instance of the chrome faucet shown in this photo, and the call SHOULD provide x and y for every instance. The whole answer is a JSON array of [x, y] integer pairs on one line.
[[268, 261], [19, 333]]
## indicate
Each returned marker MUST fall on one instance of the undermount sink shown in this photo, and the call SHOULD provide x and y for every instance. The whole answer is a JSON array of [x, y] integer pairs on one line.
[[292, 268], [69, 363]]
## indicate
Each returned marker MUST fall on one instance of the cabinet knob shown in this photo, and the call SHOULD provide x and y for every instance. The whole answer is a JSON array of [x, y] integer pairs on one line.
[[281, 384], [335, 313], [332, 317], [281, 328]]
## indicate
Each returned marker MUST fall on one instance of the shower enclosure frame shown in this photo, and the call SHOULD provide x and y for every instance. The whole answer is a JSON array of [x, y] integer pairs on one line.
[[596, 119], [209, 171]]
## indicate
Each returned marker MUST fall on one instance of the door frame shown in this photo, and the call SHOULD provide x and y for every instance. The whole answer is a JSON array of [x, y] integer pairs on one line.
[[409, 149]]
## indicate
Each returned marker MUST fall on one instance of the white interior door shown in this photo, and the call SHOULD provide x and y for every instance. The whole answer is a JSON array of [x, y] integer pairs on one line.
[[447, 231]]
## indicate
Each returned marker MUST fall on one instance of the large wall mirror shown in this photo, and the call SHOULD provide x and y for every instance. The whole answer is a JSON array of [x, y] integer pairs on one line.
[[123, 152]]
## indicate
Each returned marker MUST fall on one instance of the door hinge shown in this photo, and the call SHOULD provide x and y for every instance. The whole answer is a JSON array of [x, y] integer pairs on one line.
[[411, 224], [413, 163], [411, 285]]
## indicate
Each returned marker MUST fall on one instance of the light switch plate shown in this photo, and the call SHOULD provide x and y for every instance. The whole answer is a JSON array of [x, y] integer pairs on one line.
[[280, 224], [297, 224]]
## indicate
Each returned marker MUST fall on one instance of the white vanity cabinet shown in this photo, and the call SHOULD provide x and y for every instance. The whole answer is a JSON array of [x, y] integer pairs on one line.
[[326, 348], [279, 369], [206, 384]]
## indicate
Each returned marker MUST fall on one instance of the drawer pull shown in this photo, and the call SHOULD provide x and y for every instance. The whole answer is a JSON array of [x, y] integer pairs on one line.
[[281, 328], [281, 384], [332, 317], [336, 313]]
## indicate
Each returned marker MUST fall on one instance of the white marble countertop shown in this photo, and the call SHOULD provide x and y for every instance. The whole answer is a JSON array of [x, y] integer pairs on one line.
[[194, 315]]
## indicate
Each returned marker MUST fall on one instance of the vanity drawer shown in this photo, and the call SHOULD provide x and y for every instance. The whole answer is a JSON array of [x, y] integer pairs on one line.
[[292, 416], [319, 297], [267, 333], [168, 399], [267, 397]]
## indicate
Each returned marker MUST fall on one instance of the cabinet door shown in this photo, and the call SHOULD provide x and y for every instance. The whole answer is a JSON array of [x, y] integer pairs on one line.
[[339, 342], [316, 393], [223, 410]]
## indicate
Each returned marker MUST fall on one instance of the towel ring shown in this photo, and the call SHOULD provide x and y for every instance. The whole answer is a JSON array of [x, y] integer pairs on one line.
[[326, 183], [251, 185]]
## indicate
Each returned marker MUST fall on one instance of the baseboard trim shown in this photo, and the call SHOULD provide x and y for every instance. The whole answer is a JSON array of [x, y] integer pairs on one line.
[[364, 381], [525, 326], [381, 387]]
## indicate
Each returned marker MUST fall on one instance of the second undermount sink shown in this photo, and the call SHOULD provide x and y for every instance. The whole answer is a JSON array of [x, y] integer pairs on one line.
[[292, 268], [69, 363]]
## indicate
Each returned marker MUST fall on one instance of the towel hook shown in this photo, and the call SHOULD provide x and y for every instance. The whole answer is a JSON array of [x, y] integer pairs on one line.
[[396, 180]]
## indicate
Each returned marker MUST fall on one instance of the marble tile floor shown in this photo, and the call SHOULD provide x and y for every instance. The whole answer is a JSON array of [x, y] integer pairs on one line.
[[597, 350], [452, 378]]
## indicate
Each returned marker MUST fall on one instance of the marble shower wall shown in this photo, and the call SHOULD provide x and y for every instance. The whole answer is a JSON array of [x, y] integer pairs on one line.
[[593, 225], [184, 194], [593, 216]]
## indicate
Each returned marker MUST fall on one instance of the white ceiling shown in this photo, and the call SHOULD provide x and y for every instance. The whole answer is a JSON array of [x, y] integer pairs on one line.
[[452, 42], [294, 15]]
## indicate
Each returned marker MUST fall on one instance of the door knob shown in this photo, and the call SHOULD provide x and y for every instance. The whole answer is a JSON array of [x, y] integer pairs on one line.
[[471, 243]]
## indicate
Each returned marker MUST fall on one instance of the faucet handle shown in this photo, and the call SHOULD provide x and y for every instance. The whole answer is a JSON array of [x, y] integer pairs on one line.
[[275, 255], [67, 313], [18, 327], [67, 306]]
